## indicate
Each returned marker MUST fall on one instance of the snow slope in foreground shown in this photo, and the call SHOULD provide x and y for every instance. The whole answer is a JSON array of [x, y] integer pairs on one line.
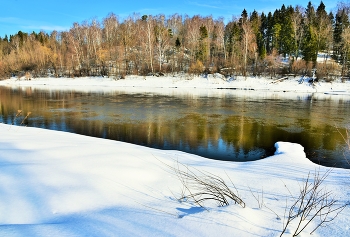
[[61, 184]]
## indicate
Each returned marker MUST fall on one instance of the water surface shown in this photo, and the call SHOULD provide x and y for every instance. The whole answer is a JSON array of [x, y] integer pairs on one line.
[[219, 124]]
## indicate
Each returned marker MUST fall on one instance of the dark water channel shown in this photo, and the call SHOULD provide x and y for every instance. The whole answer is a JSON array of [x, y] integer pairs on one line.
[[220, 124]]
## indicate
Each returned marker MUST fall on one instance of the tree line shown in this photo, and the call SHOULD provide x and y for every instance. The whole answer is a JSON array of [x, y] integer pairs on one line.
[[250, 44]]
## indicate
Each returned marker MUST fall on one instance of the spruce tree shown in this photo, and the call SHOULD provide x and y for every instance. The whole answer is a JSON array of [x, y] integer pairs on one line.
[[202, 52], [310, 14], [244, 15], [256, 22], [276, 31], [261, 41], [309, 42], [309, 48], [322, 26], [287, 40], [341, 22], [232, 36], [269, 33]]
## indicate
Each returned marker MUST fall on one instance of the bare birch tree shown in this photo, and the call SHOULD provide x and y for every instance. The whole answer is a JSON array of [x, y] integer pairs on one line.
[[298, 29], [248, 43], [149, 24]]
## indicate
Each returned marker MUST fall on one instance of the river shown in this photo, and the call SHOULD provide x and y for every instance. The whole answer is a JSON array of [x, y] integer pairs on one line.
[[234, 125]]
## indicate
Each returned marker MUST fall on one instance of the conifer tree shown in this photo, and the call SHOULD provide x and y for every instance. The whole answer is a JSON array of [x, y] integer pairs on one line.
[[232, 37], [323, 29], [269, 33], [262, 39], [244, 15], [287, 40], [310, 14], [258, 30], [341, 23], [309, 48], [202, 51], [276, 31], [309, 43]]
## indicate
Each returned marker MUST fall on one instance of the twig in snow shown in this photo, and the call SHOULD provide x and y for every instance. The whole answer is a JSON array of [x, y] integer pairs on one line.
[[313, 201]]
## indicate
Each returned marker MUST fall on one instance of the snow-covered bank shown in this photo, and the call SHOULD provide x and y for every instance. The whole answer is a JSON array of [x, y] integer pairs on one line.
[[61, 184], [209, 82]]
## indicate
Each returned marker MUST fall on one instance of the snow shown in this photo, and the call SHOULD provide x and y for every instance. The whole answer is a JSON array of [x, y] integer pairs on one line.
[[61, 184], [215, 81]]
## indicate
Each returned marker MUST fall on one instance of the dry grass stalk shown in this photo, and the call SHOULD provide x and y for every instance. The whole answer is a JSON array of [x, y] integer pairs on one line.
[[257, 197], [346, 138], [25, 118], [200, 186], [18, 114], [261, 202]]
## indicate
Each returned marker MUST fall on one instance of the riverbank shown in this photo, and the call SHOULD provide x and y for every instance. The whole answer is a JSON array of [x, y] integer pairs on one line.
[[215, 81], [62, 184]]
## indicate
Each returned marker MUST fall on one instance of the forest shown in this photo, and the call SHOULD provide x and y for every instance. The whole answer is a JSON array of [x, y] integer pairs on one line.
[[288, 41]]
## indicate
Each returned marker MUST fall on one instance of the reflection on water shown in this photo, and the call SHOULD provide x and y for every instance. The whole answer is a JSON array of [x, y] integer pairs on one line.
[[218, 124]]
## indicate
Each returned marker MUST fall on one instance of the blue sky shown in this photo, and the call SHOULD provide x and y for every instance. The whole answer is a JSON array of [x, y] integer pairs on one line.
[[48, 15]]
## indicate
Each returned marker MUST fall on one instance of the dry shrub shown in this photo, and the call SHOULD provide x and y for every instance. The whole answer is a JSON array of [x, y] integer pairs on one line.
[[301, 67], [3, 70], [272, 62], [327, 71], [166, 68], [314, 205], [298, 67], [200, 187], [284, 71], [123, 75], [12, 63], [309, 69], [28, 75], [196, 68]]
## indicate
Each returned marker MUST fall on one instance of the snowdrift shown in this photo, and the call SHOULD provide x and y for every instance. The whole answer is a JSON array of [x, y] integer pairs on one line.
[[61, 184]]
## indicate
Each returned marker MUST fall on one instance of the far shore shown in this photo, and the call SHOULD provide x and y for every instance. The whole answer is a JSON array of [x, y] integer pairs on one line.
[[211, 81]]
